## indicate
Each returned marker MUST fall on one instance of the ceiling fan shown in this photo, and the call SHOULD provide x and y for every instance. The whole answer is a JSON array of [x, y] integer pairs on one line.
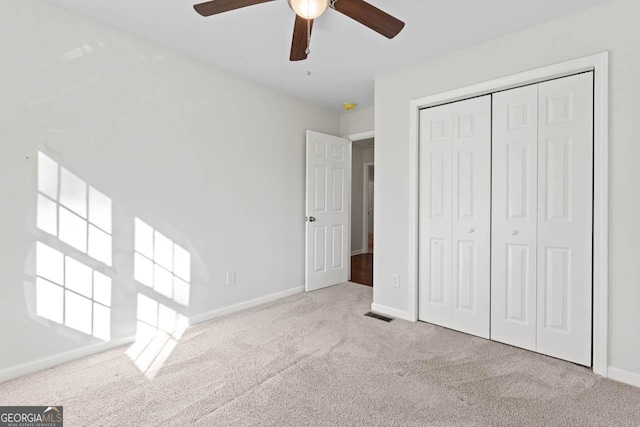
[[308, 10]]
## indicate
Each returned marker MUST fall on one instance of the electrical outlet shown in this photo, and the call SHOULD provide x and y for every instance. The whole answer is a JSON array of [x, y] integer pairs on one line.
[[395, 280], [231, 277]]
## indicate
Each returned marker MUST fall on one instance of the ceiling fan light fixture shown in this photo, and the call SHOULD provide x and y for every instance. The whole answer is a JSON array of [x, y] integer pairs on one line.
[[308, 9]]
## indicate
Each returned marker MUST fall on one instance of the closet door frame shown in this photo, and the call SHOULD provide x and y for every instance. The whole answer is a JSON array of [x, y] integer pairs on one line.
[[599, 64]]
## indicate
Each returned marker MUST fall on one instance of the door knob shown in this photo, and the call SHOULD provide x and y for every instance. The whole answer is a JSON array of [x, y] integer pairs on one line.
[[514, 232], [312, 219], [471, 230]]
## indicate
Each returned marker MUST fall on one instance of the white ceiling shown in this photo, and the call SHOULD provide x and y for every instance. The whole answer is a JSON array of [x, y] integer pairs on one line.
[[345, 56]]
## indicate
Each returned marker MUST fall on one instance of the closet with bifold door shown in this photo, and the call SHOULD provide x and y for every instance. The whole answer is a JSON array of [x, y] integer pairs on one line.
[[506, 216], [455, 215]]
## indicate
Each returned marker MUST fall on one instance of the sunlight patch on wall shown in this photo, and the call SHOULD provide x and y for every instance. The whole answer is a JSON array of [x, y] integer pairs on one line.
[[74, 212], [68, 292], [159, 329], [161, 264], [72, 294], [164, 267]]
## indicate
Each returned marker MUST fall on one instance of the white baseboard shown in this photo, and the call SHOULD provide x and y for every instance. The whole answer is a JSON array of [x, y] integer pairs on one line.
[[393, 312], [624, 376], [213, 314], [358, 252], [69, 356], [59, 359]]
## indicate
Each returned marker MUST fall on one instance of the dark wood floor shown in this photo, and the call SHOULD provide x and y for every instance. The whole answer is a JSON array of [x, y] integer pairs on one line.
[[362, 269], [362, 266]]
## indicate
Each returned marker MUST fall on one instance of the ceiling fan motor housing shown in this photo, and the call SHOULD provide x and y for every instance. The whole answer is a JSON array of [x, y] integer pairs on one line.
[[308, 9]]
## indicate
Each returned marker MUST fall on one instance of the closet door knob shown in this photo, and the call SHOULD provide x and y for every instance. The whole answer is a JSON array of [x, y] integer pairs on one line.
[[514, 232], [471, 230]]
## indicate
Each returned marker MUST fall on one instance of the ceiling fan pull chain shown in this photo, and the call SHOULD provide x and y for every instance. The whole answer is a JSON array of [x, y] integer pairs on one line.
[[308, 51]]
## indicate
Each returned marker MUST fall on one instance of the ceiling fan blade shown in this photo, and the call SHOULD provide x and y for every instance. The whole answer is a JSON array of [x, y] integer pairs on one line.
[[370, 16], [299, 42], [218, 6]]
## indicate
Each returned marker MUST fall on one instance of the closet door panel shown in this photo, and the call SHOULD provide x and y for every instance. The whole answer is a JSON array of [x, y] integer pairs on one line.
[[470, 257], [435, 215], [565, 206], [514, 217]]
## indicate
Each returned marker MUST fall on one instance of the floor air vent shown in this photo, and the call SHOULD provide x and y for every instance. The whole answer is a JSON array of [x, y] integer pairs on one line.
[[378, 316]]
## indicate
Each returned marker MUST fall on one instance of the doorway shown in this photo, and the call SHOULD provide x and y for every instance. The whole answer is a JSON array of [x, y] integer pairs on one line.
[[362, 211]]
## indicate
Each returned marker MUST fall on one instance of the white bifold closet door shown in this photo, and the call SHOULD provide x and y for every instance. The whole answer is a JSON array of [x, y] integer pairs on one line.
[[565, 218], [455, 209], [541, 279], [514, 217]]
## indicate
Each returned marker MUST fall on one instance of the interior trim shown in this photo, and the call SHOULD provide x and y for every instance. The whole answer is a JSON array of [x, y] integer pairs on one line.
[[624, 376], [390, 311], [218, 312], [59, 359]]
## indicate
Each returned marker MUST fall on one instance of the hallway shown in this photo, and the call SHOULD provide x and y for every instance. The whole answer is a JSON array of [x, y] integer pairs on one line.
[[362, 266], [362, 269]]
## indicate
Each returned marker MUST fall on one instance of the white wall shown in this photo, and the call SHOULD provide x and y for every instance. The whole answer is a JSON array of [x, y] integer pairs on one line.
[[613, 27], [357, 121], [360, 156], [213, 161]]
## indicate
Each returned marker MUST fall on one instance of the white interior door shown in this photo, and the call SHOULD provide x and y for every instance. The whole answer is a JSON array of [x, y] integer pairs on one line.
[[565, 212], [455, 215], [436, 147], [327, 210], [470, 259], [514, 217]]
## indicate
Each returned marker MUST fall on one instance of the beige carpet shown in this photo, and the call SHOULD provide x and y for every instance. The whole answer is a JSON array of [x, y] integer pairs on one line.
[[314, 359]]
